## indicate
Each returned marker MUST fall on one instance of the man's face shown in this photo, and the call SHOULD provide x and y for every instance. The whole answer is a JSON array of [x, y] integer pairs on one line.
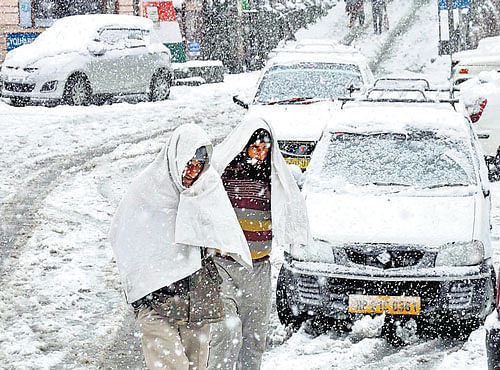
[[258, 151], [192, 172]]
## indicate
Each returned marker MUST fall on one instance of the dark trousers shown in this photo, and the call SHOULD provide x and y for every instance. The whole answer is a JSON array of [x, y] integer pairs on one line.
[[378, 19]]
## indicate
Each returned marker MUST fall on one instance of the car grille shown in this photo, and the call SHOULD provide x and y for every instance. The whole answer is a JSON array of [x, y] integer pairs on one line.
[[383, 258], [18, 87], [308, 290], [428, 291], [297, 148], [460, 295]]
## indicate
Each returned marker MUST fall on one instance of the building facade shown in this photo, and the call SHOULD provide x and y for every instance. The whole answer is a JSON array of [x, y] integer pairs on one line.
[[22, 20]]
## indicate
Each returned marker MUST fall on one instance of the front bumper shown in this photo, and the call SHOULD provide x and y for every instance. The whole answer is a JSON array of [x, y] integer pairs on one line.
[[321, 288], [31, 89]]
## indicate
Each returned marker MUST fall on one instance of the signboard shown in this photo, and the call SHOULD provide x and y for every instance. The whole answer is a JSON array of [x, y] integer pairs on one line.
[[15, 40], [166, 30], [165, 11], [457, 4], [25, 14], [454, 25], [194, 48], [152, 13]]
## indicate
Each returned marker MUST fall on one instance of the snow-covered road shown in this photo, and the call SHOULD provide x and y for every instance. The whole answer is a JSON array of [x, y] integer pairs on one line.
[[63, 171]]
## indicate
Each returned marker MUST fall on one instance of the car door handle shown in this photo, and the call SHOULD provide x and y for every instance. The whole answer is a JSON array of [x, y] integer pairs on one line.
[[483, 136]]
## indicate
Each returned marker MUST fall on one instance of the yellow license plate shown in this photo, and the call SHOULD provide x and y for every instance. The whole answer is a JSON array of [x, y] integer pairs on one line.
[[301, 162], [392, 305]]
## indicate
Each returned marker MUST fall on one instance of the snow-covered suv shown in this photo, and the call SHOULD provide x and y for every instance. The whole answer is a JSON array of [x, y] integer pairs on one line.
[[298, 88], [481, 97], [88, 56], [398, 200], [469, 63]]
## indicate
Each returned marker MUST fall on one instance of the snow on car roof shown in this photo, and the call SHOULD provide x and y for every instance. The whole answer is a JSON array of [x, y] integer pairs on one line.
[[316, 45], [91, 22], [299, 57], [315, 50], [79, 29], [487, 47], [71, 34], [360, 117]]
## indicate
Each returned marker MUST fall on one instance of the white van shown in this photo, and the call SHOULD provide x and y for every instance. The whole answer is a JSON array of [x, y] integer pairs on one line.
[[398, 200], [298, 89]]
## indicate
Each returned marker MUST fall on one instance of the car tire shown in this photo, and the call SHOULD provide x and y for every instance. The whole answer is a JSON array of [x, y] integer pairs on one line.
[[493, 348], [160, 86], [461, 329], [19, 101], [285, 313], [77, 90]]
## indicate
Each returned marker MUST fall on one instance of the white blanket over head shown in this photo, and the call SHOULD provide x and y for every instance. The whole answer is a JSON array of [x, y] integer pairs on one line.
[[288, 208], [160, 224]]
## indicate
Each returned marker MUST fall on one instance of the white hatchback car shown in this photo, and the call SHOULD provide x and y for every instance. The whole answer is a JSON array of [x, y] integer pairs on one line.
[[398, 200], [88, 56], [469, 63], [298, 88]]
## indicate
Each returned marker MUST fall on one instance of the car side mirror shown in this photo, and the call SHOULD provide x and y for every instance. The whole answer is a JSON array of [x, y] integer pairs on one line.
[[240, 102], [96, 48]]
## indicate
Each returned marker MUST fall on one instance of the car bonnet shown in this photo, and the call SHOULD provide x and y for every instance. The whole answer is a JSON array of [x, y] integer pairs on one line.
[[425, 220]]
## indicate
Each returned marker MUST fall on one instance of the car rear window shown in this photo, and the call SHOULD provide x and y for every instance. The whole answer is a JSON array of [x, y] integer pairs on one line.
[[314, 80]]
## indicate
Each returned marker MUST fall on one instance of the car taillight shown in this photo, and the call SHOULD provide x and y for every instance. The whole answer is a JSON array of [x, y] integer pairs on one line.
[[476, 110], [463, 71]]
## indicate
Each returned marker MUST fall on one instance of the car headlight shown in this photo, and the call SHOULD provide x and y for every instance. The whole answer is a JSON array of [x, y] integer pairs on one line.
[[49, 86], [461, 254]]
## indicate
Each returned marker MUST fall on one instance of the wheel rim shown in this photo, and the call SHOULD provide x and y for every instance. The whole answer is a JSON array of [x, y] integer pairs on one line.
[[161, 88], [79, 93]]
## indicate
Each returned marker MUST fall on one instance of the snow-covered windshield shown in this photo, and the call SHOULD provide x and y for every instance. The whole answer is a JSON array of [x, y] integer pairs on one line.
[[314, 80], [420, 159]]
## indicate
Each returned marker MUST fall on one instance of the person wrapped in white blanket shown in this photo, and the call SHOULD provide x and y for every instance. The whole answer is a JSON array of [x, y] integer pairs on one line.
[[173, 215], [271, 212]]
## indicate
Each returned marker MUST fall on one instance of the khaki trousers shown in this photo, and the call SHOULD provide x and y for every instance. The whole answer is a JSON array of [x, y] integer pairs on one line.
[[240, 340], [173, 347]]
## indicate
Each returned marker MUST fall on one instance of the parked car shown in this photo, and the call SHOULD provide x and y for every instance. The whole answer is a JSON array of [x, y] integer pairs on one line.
[[87, 57], [297, 92], [481, 97], [492, 325], [469, 63], [398, 200]]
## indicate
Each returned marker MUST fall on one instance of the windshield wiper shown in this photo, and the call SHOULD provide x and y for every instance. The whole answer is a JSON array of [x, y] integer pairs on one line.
[[444, 185], [291, 100]]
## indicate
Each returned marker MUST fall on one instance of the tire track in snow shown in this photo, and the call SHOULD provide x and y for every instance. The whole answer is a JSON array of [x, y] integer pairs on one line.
[[396, 33], [19, 216]]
